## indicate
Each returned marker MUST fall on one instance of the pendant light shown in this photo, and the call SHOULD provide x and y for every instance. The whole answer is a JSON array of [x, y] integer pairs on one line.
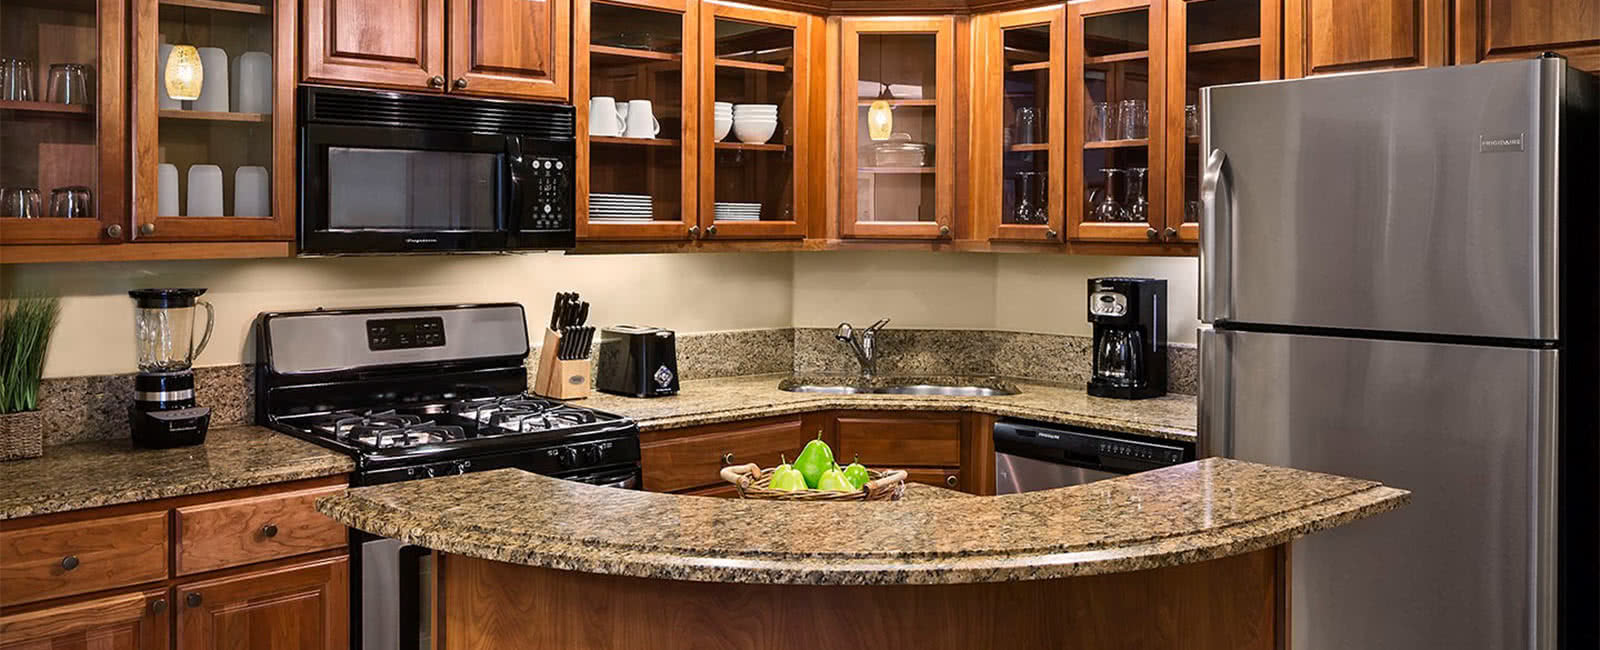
[[184, 74], [880, 116]]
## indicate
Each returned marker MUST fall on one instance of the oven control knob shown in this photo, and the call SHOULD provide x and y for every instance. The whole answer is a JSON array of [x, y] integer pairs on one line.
[[591, 454], [430, 472], [568, 458], [461, 467]]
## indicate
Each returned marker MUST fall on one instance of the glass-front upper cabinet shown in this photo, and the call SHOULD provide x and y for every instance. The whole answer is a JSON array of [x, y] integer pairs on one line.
[[213, 106], [1116, 108], [1021, 126], [1214, 42], [897, 156], [61, 121], [637, 95], [756, 103]]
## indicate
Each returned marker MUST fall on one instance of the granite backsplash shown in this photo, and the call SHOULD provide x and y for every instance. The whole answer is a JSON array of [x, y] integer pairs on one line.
[[95, 408]]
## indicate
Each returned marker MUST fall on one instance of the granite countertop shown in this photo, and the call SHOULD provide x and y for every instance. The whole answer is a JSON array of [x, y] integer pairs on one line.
[[111, 472], [708, 401], [1187, 513]]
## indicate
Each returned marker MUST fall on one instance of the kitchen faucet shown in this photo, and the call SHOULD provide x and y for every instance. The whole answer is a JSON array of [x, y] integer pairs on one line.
[[862, 345]]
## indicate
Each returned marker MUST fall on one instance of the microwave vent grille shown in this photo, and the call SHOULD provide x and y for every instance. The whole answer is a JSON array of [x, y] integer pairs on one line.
[[400, 110]]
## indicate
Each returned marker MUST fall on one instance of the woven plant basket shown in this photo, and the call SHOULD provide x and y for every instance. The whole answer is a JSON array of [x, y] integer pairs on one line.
[[752, 483], [21, 435]]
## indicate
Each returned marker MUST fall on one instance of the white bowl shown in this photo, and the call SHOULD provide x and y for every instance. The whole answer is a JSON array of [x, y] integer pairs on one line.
[[755, 114], [754, 120], [756, 107], [722, 106], [754, 132], [720, 127]]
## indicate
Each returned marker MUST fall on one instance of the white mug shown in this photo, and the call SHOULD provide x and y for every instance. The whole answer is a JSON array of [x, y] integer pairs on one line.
[[604, 118], [214, 92], [251, 79], [251, 197], [205, 191], [167, 190], [641, 120]]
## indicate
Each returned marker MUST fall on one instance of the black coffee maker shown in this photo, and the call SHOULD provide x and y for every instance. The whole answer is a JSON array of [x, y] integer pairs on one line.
[[163, 413], [1130, 337]]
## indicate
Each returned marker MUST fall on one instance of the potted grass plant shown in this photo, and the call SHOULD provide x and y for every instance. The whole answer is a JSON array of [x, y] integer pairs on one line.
[[25, 327]]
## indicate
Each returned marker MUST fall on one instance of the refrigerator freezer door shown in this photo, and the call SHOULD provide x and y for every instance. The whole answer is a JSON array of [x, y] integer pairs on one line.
[[1469, 430], [1409, 201]]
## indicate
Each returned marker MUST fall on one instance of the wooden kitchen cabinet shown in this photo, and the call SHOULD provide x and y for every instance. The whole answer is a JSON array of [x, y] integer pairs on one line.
[[684, 459], [897, 158], [300, 607], [1325, 36], [948, 477], [496, 48], [1019, 118], [131, 621], [896, 439], [1489, 30]]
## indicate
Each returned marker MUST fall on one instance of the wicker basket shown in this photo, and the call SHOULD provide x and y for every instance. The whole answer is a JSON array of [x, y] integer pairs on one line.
[[21, 435], [752, 483]]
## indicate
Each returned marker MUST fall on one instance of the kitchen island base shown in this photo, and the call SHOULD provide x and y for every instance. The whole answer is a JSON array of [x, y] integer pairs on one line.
[[1232, 603]]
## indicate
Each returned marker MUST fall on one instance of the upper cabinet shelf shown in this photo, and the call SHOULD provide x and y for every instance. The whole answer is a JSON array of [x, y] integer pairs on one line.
[[255, 9]]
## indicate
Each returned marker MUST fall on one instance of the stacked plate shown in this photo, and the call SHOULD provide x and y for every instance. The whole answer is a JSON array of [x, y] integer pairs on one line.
[[738, 211], [619, 208]]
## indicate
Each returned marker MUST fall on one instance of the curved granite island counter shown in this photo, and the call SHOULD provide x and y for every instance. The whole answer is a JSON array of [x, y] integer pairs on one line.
[[1191, 556]]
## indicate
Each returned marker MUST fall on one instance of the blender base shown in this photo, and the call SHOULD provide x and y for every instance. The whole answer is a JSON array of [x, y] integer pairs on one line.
[[169, 428]]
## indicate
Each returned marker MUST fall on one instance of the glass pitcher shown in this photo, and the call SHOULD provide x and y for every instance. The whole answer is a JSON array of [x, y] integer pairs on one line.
[[163, 328]]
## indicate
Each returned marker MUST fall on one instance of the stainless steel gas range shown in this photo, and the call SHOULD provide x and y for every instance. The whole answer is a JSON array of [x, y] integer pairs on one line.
[[419, 392]]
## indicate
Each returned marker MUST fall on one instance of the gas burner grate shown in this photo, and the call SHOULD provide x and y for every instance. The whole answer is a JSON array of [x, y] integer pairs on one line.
[[413, 435], [524, 414]]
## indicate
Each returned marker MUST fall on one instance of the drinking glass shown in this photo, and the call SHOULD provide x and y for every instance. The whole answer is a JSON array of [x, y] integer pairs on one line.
[[16, 84], [1133, 119], [21, 202], [1026, 126], [69, 84], [1191, 212], [1102, 122], [1107, 208], [1191, 120], [1029, 206], [71, 202], [1138, 207]]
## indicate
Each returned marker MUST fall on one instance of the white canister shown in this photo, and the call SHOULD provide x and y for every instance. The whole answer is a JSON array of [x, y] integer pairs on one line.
[[251, 192], [164, 101], [252, 83], [214, 91], [205, 191], [167, 190]]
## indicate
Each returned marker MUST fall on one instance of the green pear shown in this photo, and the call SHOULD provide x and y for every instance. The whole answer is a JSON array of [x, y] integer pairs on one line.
[[834, 480], [813, 460], [856, 473], [787, 478]]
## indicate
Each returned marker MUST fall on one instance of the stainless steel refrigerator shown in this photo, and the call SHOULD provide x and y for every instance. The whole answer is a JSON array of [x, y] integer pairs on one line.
[[1399, 282]]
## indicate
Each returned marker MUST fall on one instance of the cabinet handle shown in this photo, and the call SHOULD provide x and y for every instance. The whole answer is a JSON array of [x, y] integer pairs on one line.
[[269, 530], [727, 458], [193, 599], [1172, 234], [69, 563], [147, 229], [694, 232], [114, 231], [1050, 233], [711, 230], [158, 605], [436, 81], [944, 231], [1152, 234], [461, 83], [950, 480]]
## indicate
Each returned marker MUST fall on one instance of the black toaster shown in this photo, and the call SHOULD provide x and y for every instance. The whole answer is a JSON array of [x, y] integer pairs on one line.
[[638, 361]]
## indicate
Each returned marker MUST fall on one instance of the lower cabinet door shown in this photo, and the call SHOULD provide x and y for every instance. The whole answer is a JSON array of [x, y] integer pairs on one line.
[[133, 621], [300, 607]]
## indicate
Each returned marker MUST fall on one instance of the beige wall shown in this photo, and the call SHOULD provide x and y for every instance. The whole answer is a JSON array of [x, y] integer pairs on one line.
[[689, 293]]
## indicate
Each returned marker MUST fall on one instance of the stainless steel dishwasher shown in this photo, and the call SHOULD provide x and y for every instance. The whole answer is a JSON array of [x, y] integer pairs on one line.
[[1036, 456]]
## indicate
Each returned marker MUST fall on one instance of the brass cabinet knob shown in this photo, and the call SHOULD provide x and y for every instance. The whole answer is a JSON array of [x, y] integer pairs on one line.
[[147, 229], [950, 480], [944, 231], [269, 530], [711, 230], [1050, 233], [1172, 234], [727, 458], [193, 599], [114, 231], [694, 232], [69, 563], [1152, 234], [158, 605], [461, 83], [436, 81]]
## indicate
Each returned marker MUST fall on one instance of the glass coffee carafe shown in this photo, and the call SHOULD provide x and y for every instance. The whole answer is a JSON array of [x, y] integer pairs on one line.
[[1119, 363], [164, 325]]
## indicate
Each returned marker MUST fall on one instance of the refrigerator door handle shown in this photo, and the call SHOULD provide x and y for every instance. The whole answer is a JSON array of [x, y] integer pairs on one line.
[[1216, 384], [1216, 238]]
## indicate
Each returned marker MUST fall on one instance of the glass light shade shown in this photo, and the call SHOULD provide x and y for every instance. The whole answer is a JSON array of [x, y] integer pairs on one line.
[[880, 120], [184, 74]]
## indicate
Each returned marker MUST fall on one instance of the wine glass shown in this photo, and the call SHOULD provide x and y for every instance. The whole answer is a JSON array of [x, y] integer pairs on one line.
[[1107, 208]]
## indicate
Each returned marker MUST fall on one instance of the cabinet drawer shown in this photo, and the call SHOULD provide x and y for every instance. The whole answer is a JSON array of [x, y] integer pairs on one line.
[[945, 478], [694, 459], [82, 556], [241, 531], [896, 441]]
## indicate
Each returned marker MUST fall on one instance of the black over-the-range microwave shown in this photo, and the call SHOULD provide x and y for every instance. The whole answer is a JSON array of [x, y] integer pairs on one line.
[[389, 172]]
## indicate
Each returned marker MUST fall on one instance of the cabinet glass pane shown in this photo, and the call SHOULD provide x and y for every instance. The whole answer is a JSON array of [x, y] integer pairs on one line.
[[49, 57], [219, 144], [1127, 32], [1117, 124], [635, 66], [1026, 106], [895, 180], [754, 114], [1224, 46]]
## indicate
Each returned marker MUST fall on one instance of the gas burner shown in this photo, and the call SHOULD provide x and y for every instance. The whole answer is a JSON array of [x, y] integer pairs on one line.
[[413, 435], [524, 414]]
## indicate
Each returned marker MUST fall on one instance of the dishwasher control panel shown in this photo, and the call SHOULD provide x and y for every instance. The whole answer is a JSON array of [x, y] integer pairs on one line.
[[1088, 448]]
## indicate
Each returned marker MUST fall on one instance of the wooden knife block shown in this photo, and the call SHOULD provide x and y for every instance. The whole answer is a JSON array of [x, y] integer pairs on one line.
[[558, 378]]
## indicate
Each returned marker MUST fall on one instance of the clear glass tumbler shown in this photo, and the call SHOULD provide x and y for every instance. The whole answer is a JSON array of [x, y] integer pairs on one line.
[[16, 82], [69, 84], [1102, 122], [20, 202], [71, 202], [1191, 121], [1133, 119]]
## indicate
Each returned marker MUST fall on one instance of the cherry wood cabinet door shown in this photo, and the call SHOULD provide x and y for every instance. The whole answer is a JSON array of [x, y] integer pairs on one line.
[[389, 43], [511, 48], [1487, 30], [1325, 36], [134, 621], [301, 607], [1019, 124]]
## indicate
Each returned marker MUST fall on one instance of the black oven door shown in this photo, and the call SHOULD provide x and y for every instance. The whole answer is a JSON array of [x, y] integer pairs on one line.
[[396, 190]]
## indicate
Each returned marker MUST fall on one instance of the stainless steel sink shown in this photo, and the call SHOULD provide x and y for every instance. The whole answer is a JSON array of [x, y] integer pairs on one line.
[[945, 386]]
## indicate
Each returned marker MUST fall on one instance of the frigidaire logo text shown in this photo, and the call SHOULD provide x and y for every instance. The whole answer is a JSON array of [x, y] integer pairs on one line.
[[420, 240]]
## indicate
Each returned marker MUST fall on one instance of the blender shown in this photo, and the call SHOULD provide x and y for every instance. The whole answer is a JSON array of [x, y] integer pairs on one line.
[[163, 413]]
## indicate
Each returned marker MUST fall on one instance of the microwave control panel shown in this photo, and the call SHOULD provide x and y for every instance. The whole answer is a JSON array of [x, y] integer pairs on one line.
[[551, 187]]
